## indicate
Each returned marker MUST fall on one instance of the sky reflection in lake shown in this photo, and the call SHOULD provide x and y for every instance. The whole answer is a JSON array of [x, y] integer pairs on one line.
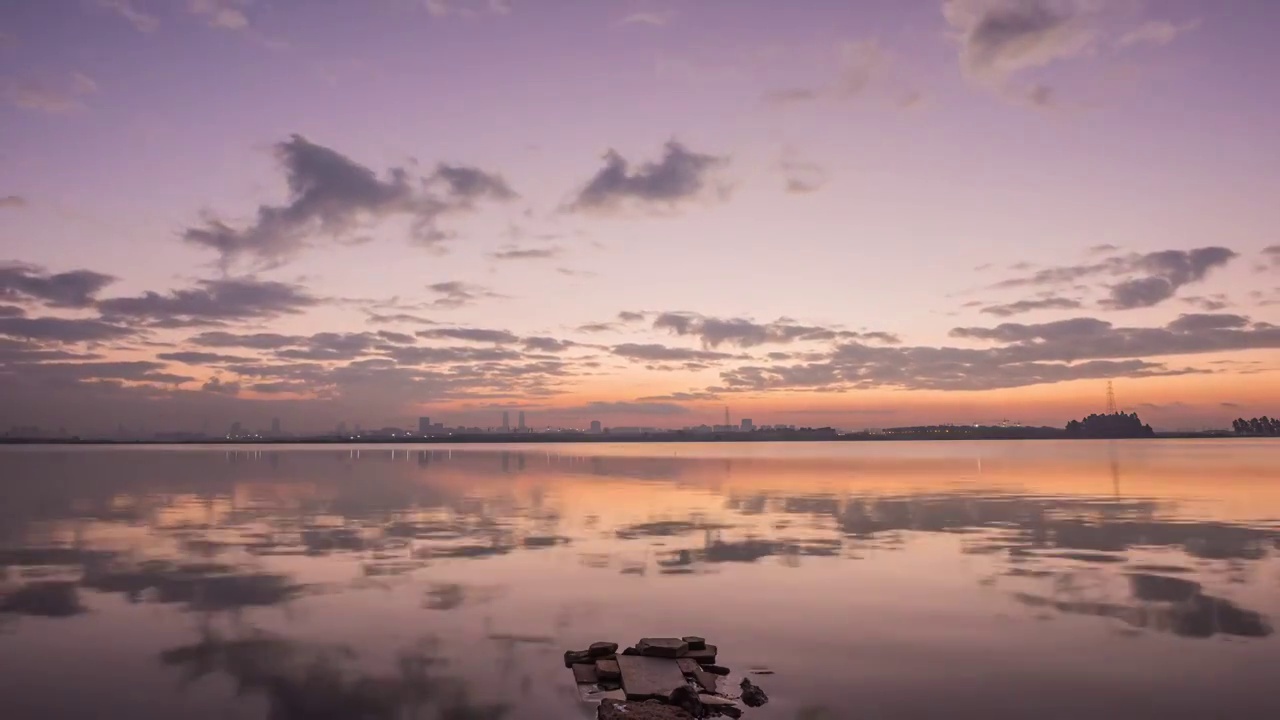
[[1129, 579]]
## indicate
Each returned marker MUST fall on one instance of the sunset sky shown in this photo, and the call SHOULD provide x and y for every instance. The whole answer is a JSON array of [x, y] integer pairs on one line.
[[858, 214]]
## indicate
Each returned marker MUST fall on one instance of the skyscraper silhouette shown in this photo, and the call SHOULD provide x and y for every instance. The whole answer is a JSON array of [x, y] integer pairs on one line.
[[506, 421], [520, 422]]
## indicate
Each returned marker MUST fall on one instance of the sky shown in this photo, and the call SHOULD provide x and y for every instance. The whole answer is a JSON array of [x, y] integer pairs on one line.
[[853, 214]]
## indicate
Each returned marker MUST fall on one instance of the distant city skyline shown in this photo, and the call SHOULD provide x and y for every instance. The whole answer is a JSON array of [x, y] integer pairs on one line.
[[868, 214]]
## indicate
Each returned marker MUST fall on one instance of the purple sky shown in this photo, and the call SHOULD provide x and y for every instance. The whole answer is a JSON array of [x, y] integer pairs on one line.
[[861, 214]]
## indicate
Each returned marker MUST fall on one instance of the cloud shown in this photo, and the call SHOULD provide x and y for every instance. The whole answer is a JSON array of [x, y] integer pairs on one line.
[[743, 333], [663, 353], [12, 201], [467, 8], [216, 385], [861, 63], [547, 344], [654, 19], [221, 14], [454, 294], [1198, 322], [628, 408], [141, 21], [681, 175], [801, 177], [682, 397], [629, 317], [999, 38], [1156, 32], [1211, 303], [1272, 254], [256, 341], [74, 289], [194, 357], [11, 311], [130, 371], [518, 253], [49, 94], [332, 195], [596, 328], [498, 337], [1022, 306], [227, 299], [1161, 274]]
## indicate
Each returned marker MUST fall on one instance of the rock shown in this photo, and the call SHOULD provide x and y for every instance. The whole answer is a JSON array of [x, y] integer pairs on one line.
[[601, 649], [714, 669], [649, 677], [706, 680], [760, 671], [609, 685], [584, 673], [631, 651], [662, 647], [573, 657], [686, 698], [688, 665], [695, 642], [752, 695], [611, 709], [705, 656], [608, 669], [714, 704]]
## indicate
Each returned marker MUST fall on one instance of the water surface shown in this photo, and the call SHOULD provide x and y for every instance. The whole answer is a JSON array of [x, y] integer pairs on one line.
[[875, 580]]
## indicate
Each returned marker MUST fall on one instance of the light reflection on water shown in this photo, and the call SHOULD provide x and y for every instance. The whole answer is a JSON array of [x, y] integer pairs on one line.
[[879, 580]]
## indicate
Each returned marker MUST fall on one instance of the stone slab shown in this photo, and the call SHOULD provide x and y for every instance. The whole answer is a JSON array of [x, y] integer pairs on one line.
[[706, 680], [584, 673], [716, 669], [608, 669], [649, 677], [688, 665], [695, 642], [573, 657], [662, 647], [628, 710], [705, 656]]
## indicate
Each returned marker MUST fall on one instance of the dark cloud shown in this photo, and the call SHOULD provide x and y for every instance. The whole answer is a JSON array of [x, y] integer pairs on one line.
[[132, 371], [547, 344], [256, 341], [498, 337], [1272, 254], [332, 346], [417, 356], [1158, 275], [376, 317], [455, 294], [663, 353], [739, 332], [8, 311], [627, 316], [192, 357], [629, 408], [1022, 306], [596, 328], [227, 299], [12, 201], [1000, 38], [216, 385], [395, 337], [518, 253], [332, 195], [74, 289], [1199, 321], [63, 330], [680, 175]]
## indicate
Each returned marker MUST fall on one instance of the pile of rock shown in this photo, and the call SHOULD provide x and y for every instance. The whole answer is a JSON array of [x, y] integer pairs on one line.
[[661, 678]]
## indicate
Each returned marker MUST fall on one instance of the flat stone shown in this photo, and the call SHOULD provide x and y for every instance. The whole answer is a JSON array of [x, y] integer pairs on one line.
[[705, 656], [608, 669], [662, 647], [714, 669], [649, 677], [625, 710], [706, 680], [695, 642], [585, 673], [688, 665], [601, 649], [573, 657]]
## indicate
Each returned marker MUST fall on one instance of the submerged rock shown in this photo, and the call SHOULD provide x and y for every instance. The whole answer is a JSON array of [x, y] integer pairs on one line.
[[752, 695]]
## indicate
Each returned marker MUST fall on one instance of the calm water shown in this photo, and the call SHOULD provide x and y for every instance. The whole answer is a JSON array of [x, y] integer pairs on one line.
[[877, 580]]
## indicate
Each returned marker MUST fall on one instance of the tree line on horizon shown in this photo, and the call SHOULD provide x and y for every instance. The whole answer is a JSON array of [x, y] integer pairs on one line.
[[1111, 425], [1256, 426]]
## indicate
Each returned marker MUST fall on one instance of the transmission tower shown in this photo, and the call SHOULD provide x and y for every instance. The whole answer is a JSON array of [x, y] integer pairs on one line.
[[1111, 399], [726, 414]]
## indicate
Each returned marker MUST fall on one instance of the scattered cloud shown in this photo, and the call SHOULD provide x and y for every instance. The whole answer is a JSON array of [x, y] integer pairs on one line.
[[226, 299], [744, 333], [547, 344], [12, 201], [455, 294], [1156, 32], [50, 94], [596, 328], [999, 38], [801, 177], [467, 8], [655, 19], [1272, 255], [522, 253], [216, 385], [480, 335], [332, 195], [654, 352], [861, 63], [221, 14], [628, 408], [681, 175], [1209, 303], [195, 357], [1022, 306], [63, 330], [141, 21], [255, 341], [75, 289]]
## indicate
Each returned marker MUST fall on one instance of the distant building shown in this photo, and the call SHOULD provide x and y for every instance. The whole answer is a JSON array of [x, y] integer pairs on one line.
[[596, 427], [520, 422], [424, 425], [275, 426], [506, 421], [747, 425], [235, 430]]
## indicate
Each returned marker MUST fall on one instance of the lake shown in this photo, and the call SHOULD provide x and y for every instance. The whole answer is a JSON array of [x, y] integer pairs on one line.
[[1123, 579]]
